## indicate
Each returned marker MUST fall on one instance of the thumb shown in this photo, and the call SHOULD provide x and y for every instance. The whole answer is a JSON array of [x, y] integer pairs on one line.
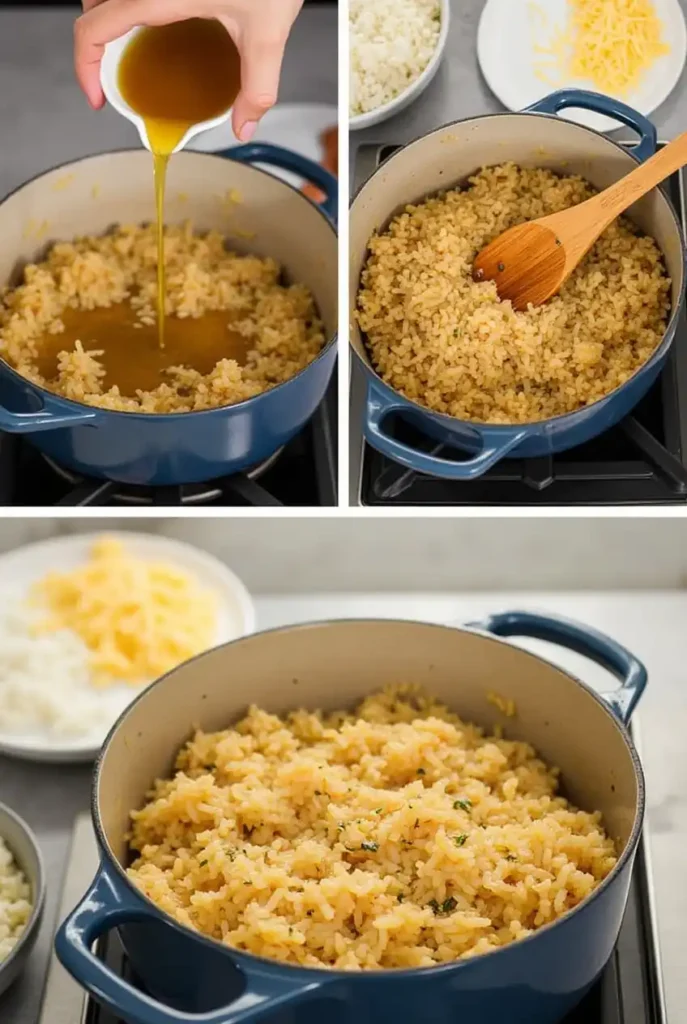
[[261, 60]]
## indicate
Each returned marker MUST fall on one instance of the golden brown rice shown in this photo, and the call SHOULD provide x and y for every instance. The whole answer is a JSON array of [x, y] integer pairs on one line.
[[397, 836], [449, 343], [281, 321]]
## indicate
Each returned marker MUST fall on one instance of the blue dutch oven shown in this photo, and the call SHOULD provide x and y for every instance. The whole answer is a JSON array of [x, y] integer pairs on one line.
[[187, 978], [449, 155], [271, 218]]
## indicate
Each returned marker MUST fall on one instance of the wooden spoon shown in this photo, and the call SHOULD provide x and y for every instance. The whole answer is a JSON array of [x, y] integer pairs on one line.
[[532, 261]]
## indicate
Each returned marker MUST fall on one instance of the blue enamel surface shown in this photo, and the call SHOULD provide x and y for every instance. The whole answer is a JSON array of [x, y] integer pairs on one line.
[[583, 640], [135, 448], [191, 979], [196, 979], [276, 156], [535, 981], [564, 99], [487, 444]]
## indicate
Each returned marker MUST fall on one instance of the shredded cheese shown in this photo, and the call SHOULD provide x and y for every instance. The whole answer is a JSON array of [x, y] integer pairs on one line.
[[611, 43], [138, 619]]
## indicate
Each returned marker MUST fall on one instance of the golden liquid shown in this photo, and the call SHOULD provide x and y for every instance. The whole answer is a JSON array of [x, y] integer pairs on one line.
[[174, 76], [160, 162], [132, 357]]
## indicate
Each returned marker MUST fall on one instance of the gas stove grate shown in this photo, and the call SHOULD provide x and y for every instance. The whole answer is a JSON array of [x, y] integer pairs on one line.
[[642, 461]]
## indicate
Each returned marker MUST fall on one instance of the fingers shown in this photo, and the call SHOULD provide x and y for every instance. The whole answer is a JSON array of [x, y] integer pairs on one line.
[[103, 22], [261, 43], [260, 34], [261, 60]]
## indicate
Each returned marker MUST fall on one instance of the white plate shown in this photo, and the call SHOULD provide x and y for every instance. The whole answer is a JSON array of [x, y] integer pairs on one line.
[[27, 565], [507, 33], [295, 126]]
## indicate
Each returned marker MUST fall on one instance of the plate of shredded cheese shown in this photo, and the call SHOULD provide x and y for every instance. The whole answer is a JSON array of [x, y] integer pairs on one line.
[[88, 621], [633, 50]]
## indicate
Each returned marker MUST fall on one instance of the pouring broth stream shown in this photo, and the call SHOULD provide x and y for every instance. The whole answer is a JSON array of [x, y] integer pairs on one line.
[[176, 76]]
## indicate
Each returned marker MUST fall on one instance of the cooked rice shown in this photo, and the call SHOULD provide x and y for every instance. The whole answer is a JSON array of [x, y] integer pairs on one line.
[[15, 902], [449, 343], [280, 320], [398, 836], [46, 687], [391, 44]]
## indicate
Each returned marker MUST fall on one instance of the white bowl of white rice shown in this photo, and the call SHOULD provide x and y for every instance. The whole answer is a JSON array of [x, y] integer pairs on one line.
[[395, 49], [22, 892]]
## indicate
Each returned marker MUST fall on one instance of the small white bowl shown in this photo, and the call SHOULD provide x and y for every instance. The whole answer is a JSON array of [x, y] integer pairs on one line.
[[24, 847], [109, 79], [415, 89]]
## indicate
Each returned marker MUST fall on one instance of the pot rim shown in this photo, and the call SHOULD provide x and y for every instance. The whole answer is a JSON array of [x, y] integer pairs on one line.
[[507, 428], [374, 974], [39, 885], [167, 416]]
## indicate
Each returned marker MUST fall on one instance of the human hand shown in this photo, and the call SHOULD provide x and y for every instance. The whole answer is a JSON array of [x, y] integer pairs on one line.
[[260, 29]]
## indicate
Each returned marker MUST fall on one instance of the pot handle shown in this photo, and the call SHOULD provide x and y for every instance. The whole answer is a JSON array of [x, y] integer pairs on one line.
[[582, 98], [104, 907], [379, 406], [583, 640], [277, 156], [45, 419]]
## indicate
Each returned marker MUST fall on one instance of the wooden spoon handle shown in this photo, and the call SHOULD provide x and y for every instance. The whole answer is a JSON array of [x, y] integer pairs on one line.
[[616, 199]]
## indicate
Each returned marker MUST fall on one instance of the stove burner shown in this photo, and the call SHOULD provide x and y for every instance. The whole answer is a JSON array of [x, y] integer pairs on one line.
[[186, 494], [642, 461]]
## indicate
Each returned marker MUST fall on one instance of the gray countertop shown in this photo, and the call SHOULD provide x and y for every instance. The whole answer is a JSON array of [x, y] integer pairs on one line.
[[457, 92], [651, 624]]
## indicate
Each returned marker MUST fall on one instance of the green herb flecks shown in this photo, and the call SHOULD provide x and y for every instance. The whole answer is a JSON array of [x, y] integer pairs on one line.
[[447, 907], [369, 847], [462, 805], [460, 840]]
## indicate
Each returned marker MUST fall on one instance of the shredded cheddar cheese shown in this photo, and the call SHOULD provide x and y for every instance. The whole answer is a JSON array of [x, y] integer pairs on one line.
[[610, 43], [138, 619]]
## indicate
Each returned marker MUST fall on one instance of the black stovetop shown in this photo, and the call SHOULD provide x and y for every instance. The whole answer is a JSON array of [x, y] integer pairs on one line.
[[629, 991], [642, 461], [303, 474]]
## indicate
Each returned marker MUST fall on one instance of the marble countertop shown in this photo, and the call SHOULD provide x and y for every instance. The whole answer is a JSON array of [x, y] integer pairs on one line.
[[651, 624]]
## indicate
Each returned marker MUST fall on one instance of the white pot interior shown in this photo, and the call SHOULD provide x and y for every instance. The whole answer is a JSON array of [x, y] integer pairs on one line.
[[336, 664], [256, 212]]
